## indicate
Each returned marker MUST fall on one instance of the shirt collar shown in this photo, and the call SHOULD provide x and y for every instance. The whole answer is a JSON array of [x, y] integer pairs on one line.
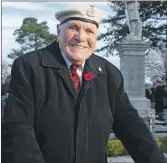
[[68, 62]]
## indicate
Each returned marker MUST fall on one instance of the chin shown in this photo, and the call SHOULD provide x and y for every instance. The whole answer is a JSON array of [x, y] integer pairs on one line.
[[76, 55], [78, 59]]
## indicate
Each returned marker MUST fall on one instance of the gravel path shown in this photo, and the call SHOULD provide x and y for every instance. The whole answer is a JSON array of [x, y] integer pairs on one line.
[[122, 159]]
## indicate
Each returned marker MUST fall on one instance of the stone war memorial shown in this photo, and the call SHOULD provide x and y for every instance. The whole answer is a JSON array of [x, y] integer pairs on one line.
[[132, 63]]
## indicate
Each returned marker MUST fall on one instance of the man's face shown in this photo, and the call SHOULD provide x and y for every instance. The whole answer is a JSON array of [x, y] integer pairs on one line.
[[77, 40]]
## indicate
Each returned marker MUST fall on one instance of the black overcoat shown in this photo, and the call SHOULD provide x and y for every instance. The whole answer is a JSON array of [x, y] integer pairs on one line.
[[46, 122], [159, 99]]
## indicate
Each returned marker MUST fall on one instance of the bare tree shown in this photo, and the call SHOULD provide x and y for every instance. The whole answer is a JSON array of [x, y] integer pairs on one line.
[[156, 64], [164, 57], [4, 71]]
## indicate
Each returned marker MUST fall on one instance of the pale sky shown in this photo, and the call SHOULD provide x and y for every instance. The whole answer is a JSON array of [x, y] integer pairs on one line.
[[13, 14]]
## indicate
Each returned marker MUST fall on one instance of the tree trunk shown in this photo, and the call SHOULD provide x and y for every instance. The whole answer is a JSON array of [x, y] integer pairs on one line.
[[36, 42]]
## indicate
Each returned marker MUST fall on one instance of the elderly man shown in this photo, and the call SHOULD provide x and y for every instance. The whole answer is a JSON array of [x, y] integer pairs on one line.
[[64, 100]]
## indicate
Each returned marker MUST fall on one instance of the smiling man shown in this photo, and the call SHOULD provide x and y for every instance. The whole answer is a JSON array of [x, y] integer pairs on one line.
[[64, 101], [77, 40]]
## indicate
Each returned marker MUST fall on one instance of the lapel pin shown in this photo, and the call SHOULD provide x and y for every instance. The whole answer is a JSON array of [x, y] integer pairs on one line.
[[100, 69]]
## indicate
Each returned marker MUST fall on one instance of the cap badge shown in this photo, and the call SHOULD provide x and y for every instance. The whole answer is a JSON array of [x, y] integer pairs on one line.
[[91, 12]]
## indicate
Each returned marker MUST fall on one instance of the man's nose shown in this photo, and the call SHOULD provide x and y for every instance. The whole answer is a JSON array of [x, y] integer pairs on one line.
[[80, 36]]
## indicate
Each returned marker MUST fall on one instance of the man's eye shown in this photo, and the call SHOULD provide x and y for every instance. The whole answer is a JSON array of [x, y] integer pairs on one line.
[[73, 28], [90, 31]]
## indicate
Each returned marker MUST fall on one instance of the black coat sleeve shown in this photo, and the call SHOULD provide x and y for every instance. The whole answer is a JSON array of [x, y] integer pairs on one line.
[[19, 144], [132, 130]]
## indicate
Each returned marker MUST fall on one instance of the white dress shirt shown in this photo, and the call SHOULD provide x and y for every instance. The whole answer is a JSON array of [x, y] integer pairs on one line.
[[79, 70]]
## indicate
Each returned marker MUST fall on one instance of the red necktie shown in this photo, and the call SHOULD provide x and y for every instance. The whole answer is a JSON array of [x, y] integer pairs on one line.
[[75, 77]]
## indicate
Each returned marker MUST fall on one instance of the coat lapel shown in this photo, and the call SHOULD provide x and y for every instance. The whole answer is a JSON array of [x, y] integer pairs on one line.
[[52, 58], [64, 73], [91, 65], [85, 71]]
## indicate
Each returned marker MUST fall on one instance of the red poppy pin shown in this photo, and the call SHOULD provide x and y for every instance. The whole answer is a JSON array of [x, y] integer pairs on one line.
[[89, 76]]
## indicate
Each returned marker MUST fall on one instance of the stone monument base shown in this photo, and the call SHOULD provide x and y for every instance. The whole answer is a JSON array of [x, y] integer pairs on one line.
[[143, 106], [132, 38], [140, 103]]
